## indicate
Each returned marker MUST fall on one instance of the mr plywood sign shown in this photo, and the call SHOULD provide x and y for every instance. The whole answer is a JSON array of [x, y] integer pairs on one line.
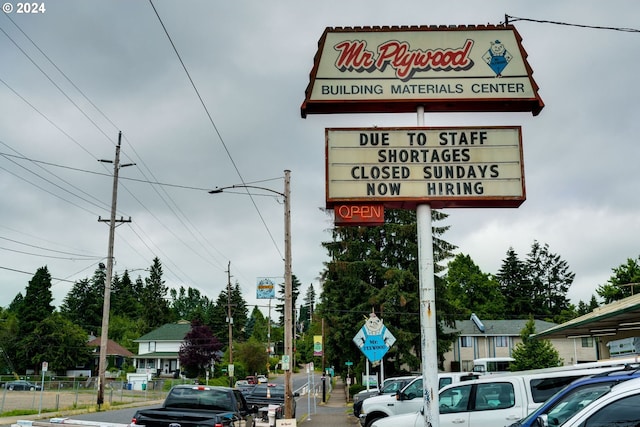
[[397, 69], [444, 167]]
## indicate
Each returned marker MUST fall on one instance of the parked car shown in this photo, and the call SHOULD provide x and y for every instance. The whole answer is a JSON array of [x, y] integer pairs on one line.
[[616, 408], [22, 385], [389, 386], [262, 379], [568, 401], [553, 412], [485, 402], [198, 406], [244, 386], [264, 395]]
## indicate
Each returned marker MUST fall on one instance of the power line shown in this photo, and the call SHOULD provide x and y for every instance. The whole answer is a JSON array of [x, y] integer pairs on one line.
[[83, 256], [215, 128], [507, 19]]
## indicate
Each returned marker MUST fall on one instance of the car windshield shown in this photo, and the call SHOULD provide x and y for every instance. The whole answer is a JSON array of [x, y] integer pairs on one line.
[[392, 387], [571, 403]]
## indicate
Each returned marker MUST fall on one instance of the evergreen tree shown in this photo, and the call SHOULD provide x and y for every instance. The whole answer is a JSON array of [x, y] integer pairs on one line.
[[36, 306], [534, 353], [83, 303], [156, 307], [295, 292], [515, 286], [550, 278], [125, 298], [240, 313], [376, 269], [219, 315], [306, 310], [217, 319], [584, 308]]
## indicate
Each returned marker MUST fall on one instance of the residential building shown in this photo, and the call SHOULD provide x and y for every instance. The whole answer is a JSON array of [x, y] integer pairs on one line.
[[497, 338], [158, 350]]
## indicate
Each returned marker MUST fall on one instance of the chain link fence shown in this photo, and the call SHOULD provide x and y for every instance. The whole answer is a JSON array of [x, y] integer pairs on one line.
[[16, 398]]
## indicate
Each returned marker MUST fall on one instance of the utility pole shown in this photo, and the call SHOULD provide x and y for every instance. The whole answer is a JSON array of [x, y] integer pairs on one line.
[[288, 291], [102, 367], [230, 322], [288, 299]]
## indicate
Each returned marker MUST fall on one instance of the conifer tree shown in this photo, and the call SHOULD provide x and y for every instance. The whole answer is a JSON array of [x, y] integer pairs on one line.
[[534, 353]]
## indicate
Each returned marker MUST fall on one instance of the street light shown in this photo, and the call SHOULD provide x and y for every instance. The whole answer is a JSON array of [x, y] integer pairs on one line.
[[288, 292]]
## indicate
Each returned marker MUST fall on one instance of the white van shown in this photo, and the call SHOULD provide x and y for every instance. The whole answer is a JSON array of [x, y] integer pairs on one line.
[[494, 400], [492, 365]]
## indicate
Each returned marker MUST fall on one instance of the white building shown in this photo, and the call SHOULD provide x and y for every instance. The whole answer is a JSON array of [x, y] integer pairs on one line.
[[158, 350]]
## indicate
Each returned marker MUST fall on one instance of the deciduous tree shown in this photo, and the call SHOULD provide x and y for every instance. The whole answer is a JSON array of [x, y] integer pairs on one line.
[[624, 282], [199, 350]]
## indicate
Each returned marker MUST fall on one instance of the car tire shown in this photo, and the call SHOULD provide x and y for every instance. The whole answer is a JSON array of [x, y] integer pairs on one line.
[[32, 388], [371, 421], [11, 387]]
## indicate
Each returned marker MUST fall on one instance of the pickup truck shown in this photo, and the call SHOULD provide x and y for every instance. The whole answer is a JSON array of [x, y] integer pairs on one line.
[[201, 406], [266, 394], [389, 386], [494, 400], [406, 400]]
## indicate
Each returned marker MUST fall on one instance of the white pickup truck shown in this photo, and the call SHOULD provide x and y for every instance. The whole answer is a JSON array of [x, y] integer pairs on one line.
[[406, 400], [492, 401]]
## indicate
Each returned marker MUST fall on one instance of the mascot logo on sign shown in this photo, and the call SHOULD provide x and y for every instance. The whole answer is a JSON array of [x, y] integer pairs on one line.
[[497, 57]]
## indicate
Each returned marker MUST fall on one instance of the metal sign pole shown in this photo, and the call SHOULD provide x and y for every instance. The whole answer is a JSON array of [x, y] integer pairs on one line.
[[428, 329]]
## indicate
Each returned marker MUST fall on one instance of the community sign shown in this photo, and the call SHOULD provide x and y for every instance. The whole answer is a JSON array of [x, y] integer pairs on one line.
[[443, 69], [403, 167], [266, 288]]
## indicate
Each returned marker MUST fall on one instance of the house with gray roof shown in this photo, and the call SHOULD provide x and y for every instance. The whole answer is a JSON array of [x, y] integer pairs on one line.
[[158, 350], [479, 338]]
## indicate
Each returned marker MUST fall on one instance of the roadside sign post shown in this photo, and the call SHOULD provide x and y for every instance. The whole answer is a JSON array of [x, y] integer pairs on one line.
[[402, 70], [45, 367]]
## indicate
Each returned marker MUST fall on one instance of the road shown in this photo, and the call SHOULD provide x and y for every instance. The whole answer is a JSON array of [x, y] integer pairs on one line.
[[304, 402]]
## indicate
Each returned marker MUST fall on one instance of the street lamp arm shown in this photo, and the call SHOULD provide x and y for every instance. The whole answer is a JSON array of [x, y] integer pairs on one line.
[[218, 190]]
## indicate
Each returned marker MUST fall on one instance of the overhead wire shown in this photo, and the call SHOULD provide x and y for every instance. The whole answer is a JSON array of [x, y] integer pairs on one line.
[[215, 128], [104, 133], [509, 18]]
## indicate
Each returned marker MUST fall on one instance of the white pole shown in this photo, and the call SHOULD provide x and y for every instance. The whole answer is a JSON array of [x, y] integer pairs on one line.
[[367, 375], [309, 373], [427, 310]]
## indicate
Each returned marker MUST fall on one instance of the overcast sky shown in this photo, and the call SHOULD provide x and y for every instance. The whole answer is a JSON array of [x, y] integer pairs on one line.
[[76, 74]]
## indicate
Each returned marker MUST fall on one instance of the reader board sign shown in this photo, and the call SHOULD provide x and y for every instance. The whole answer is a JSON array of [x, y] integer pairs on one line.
[[443, 167], [443, 69]]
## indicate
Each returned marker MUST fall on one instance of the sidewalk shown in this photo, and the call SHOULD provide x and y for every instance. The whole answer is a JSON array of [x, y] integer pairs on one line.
[[334, 412]]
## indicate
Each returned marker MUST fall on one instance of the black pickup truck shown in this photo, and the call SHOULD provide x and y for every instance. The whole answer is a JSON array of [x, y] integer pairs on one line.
[[264, 395], [198, 405]]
